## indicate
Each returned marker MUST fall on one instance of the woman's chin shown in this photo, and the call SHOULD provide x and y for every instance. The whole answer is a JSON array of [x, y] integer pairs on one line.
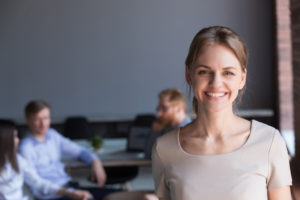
[[217, 108]]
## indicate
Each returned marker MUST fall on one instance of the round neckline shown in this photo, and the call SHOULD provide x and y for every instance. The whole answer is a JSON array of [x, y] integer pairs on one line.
[[220, 154]]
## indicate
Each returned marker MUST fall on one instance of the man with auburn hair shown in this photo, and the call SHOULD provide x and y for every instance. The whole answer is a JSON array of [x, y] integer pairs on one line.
[[171, 113], [171, 110], [44, 146]]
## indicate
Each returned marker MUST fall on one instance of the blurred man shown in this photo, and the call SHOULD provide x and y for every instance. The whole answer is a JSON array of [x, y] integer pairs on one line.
[[44, 146], [171, 113], [171, 110]]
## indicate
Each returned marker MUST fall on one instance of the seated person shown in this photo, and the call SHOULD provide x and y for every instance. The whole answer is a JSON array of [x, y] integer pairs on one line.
[[171, 110], [171, 113], [14, 170], [44, 146]]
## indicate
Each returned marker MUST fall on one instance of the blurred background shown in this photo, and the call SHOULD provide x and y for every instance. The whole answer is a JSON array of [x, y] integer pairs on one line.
[[107, 60]]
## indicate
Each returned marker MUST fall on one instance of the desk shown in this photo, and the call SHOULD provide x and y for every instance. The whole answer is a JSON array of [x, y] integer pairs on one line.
[[112, 153]]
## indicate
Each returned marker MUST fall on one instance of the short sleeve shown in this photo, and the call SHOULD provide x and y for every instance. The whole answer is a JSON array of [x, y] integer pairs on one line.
[[158, 170], [279, 168]]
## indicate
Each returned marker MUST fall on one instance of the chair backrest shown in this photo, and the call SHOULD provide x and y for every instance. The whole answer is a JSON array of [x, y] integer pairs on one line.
[[120, 174], [144, 120], [77, 128]]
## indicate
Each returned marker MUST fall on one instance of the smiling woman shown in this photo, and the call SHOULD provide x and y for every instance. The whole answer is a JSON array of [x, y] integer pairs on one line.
[[216, 77], [229, 40], [220, 155]]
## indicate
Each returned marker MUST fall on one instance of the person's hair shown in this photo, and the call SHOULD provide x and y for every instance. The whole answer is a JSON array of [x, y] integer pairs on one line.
[[173, 95], [7, 147], [34, 107], [221, 36]]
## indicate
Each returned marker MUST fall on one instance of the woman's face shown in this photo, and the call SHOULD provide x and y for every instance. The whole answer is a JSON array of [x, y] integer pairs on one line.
[[16, 140], [216, 78]]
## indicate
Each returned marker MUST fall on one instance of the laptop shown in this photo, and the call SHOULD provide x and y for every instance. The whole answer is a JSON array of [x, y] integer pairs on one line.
[[137, 138]]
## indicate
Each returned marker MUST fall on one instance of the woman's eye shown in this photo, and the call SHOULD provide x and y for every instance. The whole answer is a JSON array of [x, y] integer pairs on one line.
[[229, 73], [202, 72]]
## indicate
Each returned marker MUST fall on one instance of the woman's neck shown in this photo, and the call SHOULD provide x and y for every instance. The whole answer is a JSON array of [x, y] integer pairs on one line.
[[215, 124]]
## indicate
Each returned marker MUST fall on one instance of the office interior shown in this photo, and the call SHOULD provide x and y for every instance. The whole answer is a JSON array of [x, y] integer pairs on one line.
[[108, 60]]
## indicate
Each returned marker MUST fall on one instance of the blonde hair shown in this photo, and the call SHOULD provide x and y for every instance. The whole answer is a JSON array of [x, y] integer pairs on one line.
[[217, 35]]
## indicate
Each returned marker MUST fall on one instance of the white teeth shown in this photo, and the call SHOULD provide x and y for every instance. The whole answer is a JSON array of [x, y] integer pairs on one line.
[[215, 94]]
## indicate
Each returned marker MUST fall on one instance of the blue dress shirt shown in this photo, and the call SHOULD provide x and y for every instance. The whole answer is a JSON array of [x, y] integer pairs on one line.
[[186, 121], [46, 157]]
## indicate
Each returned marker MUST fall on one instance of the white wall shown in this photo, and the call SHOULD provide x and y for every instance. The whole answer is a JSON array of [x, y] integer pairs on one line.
[[110, 58]]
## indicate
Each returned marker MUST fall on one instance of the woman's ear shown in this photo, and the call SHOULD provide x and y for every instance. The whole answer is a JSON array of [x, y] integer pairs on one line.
[[243, 80], [187, 76]]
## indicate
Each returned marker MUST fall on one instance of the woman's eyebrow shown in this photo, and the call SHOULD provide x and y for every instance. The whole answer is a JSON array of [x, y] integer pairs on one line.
[[224, 68], [230, 67], [201, 65]]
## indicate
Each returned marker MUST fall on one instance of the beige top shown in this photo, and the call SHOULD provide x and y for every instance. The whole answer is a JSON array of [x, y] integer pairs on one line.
[[247, 173]]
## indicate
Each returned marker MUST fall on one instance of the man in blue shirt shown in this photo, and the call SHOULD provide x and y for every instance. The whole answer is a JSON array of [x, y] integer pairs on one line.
[[44, 146]]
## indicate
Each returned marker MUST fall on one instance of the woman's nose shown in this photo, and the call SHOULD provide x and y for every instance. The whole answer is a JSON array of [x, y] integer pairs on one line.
[[216, 80]]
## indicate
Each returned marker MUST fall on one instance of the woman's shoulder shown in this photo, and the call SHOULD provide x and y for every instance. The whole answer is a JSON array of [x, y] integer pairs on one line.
[[169, 136], [262, 125], [167, 145], [262, 132], [263, 128], [269, 132], [168, 140]]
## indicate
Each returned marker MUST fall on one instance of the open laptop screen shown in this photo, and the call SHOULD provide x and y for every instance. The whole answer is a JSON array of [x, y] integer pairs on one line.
[[137, 138]]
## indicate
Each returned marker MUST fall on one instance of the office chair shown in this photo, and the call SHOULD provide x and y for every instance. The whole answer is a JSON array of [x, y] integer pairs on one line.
[[121, 175], [77, 128], [144, 120]]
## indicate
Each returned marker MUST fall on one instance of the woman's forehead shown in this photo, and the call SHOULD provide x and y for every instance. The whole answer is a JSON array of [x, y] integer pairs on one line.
[[217, 56]]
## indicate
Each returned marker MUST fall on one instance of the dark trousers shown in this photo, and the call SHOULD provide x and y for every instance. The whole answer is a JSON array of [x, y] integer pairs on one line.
[[98, 193]]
